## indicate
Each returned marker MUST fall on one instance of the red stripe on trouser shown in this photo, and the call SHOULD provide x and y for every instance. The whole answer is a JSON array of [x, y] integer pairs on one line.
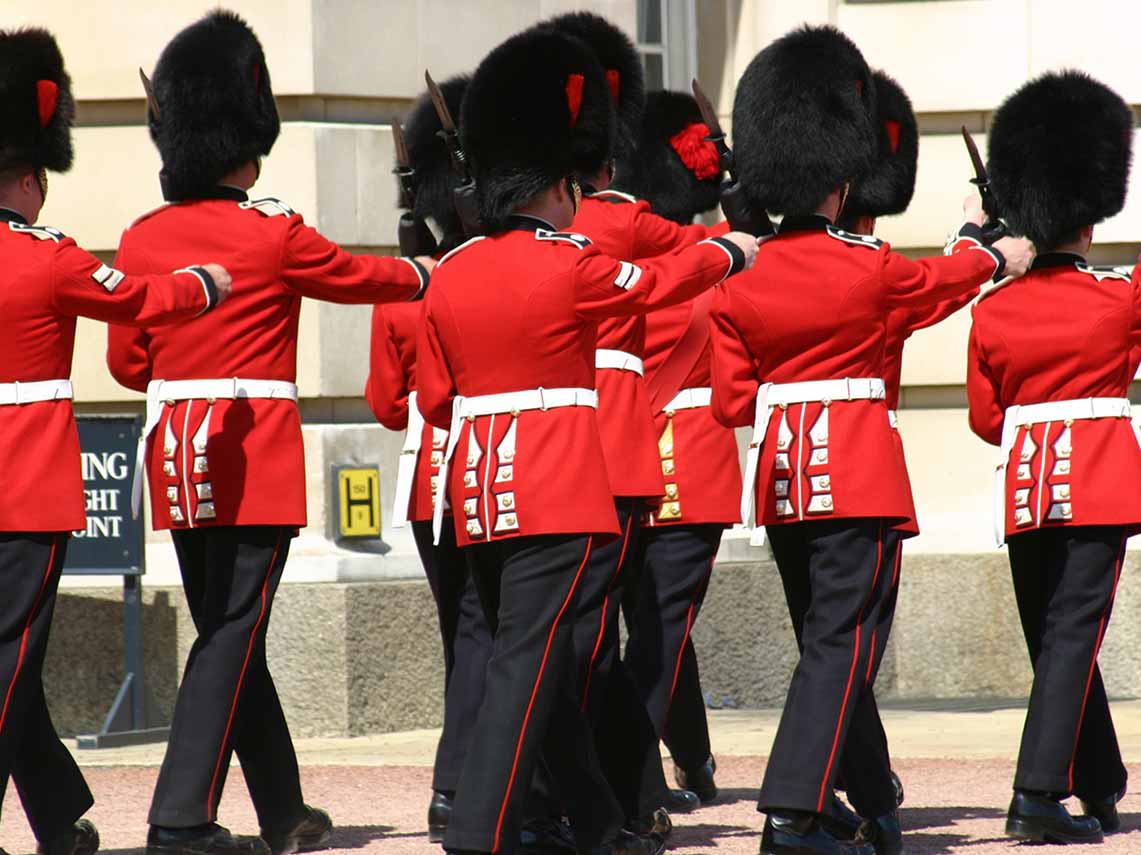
[[875, 632], [535, 692], [851, 675], [1101, 627], [605, 606], [689, 628], [24, 635], [241, 679]]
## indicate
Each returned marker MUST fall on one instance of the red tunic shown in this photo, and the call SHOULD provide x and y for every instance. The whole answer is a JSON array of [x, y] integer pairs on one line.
[[251, 465], [813, 308], [392, 376], [698, 455], [517, 312], [46, 281], [1064, 331], [623, 227]]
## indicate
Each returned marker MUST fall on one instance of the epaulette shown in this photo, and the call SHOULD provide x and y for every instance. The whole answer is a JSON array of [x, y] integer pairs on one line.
[[148, 214], [38, 232], [616, 197], [1106, 271], [856, 240], [581, 241], [1001, 285], [269, 207], [463, 245]]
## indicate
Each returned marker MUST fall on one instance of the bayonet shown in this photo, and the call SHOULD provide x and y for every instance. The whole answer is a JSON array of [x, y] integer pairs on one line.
[[993, 228], [733, 204], [412, 232], [467, 205]]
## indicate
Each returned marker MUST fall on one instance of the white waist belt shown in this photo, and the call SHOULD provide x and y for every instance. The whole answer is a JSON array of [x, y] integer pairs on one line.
[[620, 360], [406, 468], [160, 392], [689, 399], [34, 392], [492, 405], [1024, 415], [772, 395]]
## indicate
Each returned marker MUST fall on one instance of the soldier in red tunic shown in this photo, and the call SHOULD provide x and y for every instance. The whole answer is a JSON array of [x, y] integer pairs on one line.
[[824, 469], [675, 169], [224, 453], [625, 228], [391, 392], [505, 360], [1050, 361], [46, 283]]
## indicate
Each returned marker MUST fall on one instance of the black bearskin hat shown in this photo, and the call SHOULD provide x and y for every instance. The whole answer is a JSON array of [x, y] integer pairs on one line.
[[429, 157], [215, 104], [35, 97], [675, 167], [536, 111], [802, 120], [888, 186], [622, 65], [1058, 156]]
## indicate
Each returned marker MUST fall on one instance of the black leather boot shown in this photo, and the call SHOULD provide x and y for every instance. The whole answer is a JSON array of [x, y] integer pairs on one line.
[[439, 812], [898, 784], [841, 821], [884, 834], [682, 801], [311, 832], [1105, 811], [209, 839], [1044, 819], [801, 833], [81, 839], [699, 781]]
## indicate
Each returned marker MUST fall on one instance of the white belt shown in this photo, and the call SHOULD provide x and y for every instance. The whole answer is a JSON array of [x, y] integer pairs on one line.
[[620, 360], [492, 405], [689, 399], [1025, 415], [169, 391], [772, 395], [406, 468], [35, 392], [893, 419]]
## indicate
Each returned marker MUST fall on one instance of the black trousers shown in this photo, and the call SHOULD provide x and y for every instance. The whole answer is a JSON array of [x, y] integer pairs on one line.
[[227, 701], [837, 575], [625, 736], [467, 647], [529, 587], [1064, 581], [51, 787], [675, 565]]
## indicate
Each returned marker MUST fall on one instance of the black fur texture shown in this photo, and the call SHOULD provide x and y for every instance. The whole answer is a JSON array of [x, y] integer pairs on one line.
[[616, 53], [655, 172], [516, 122], [1058, 156], [888, 186], [803, 120], [428, 153], [26, 57], [216, 103]]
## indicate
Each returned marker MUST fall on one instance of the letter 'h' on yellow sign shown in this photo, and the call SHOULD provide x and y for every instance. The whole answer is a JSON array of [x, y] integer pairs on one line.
[[358, 491]]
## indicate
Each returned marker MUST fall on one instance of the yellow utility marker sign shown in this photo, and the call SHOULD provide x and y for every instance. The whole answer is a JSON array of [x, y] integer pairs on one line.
[[358, 489]]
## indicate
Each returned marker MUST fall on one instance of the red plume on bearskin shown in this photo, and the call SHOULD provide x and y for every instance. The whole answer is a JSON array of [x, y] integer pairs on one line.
[[803, 120], [674, 167], [520, 129], [1059, 152], [887, 187], [216, 104], [621, 63], [36, 102], [428, 153]]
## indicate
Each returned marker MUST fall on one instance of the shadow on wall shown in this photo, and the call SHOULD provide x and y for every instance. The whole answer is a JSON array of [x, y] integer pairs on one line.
[[84, 666]]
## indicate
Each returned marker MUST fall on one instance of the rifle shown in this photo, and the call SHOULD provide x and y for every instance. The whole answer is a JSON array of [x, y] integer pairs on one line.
[[464, 197], [412, 232], [994, 228], [733, 203]]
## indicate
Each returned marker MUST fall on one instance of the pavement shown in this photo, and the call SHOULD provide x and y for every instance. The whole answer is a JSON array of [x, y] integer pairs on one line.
[[956, 759]]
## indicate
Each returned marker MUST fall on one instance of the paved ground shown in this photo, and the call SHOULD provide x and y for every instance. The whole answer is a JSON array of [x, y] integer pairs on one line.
[[956, 761]]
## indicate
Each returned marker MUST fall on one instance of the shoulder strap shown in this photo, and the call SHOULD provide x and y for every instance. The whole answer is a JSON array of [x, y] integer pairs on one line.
[[668, 379]]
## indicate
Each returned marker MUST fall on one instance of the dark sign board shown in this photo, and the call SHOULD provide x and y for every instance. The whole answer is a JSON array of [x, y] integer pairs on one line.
[[112, 542]]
